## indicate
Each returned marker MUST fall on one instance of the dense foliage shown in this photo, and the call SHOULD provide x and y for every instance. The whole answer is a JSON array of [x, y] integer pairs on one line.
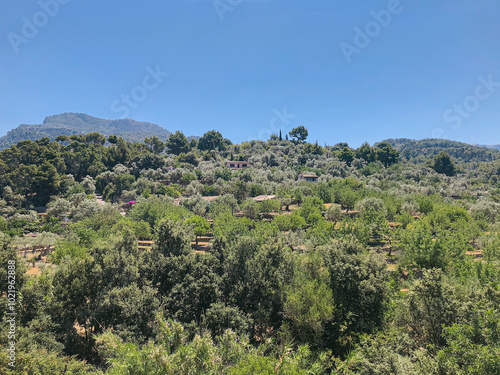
[[155, 258]]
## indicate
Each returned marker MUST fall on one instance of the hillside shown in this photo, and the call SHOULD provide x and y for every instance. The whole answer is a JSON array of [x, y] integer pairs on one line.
[[421, 150], [79, 123], [170, 257]]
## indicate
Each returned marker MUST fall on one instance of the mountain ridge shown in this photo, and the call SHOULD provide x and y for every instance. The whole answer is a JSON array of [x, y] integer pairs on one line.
[[80, 123], [496, 147], [411, 149]]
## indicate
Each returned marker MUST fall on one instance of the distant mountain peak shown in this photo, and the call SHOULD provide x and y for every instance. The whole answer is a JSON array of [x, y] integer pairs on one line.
[[68, 115], [497, 147], [81, 123]]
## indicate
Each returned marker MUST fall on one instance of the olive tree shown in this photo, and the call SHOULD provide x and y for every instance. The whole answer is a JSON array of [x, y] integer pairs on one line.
[[334, 213]]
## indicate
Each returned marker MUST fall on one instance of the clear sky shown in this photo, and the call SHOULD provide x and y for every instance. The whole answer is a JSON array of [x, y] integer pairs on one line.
[[348, 70]]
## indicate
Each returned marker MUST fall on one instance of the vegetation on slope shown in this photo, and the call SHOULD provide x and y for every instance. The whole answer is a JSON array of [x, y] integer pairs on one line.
[[383, 265]]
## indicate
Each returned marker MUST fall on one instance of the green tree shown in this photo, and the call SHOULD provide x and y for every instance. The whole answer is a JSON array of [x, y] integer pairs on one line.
[[66, 249], [220, 317], [386, 154], [334, 213], [172, 238], [360, 292], [250, 209], [189, 285], [154, 145], [269, 205], [366, 152], [471, 349], [193, 145], [432, 306], [200, 225], [347, 198], [59, 208], [340, 146], [286, 200], [223, 204], [177, 143], [106, 290], [62, 138], [113, 139], [154, 209], [291, 222], [347, 155], [420, 248], [212, 140], [88, 184], [376, 221], [442, 163], [95, 138], [311, 205], [255, 276], [313, 149], [308, 306], [299, 133], [44, 362], [174, 353]]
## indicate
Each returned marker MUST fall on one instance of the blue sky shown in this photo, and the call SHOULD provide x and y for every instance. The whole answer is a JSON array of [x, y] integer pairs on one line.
[[416, 69]]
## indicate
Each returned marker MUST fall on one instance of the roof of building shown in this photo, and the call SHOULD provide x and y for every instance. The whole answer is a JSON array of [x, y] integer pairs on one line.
[[308, 175], [261, 198], [211, 198]]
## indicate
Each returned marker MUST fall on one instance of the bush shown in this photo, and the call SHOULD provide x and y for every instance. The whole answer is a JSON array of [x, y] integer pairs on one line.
[[290, 222], [250, 209]]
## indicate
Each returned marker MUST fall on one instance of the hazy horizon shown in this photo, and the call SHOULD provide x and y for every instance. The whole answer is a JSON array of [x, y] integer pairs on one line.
[[325, 142]]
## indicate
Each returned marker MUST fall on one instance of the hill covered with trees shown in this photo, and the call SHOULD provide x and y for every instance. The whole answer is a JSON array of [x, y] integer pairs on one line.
[[418, 150], [178, 256]]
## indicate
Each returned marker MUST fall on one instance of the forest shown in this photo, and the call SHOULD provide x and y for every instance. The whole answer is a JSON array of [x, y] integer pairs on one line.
[[202, 256]]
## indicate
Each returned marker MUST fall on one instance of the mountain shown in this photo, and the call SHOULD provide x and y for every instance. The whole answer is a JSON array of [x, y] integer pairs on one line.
[[496, 147], [422, 150], [79, 123]]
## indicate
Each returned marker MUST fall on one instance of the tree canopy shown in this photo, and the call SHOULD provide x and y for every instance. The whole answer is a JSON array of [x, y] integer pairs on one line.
[[132, 258]]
